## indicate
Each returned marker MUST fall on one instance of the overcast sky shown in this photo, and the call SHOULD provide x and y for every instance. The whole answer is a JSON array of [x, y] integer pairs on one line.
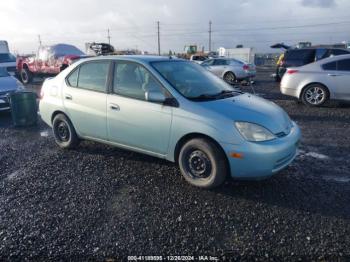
[[132, 23]]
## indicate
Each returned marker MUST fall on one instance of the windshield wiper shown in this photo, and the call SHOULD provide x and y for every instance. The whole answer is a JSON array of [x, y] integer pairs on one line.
[[222, 94]]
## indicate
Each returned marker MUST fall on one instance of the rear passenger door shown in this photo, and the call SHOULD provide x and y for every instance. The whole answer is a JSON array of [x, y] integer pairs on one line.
[[85, 97]]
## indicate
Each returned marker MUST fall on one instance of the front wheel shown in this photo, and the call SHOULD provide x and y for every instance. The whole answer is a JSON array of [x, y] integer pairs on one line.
[[314, 95], [202, 163], [230, 78], [64, 132]]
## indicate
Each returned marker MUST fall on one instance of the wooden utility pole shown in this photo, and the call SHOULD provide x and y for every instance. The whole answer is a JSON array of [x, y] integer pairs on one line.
[[158, 31], [210, 36]]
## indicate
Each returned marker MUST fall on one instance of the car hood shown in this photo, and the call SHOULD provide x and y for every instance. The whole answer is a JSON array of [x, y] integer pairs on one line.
[[253, 109], [8, 83]]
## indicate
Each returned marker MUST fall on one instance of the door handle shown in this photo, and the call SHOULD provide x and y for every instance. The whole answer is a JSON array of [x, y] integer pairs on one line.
[[334, 75], [114, 107], [68, 97]]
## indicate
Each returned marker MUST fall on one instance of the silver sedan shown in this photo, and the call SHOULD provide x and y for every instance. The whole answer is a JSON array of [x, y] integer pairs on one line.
[[318, 82], [229, 69]]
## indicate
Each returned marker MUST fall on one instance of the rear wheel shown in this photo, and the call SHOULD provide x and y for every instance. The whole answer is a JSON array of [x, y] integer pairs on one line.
[[202, 163], [230, 78], [64, 132], [26, 76], [314, 95]]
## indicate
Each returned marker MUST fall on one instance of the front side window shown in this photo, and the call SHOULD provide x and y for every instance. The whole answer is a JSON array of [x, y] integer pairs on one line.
[[92, 76], [133, 80], [192, 80], [220, 62], [344, 65]]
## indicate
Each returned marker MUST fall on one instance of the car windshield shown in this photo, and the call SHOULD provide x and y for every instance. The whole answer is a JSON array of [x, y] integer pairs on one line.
[[6, 58], [193, 81], [3, 72]]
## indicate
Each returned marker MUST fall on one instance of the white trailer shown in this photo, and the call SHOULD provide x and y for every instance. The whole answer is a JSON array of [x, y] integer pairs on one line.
[[244, 54]]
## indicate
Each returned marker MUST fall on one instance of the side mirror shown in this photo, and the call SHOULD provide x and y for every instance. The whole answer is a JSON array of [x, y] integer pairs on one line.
[[155, 96]]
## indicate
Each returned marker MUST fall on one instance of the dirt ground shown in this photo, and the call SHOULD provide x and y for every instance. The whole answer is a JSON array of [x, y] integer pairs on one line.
[[100, 202]]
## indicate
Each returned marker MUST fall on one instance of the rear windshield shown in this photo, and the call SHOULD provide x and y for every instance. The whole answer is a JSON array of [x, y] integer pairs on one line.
[[6, 58]]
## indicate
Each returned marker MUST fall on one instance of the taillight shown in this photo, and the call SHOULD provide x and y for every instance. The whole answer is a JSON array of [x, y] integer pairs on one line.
[[246, 67], [292, 71]]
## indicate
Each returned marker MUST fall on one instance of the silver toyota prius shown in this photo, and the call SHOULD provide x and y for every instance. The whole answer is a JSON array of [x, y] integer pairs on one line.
[[318, 82], [172, 109]]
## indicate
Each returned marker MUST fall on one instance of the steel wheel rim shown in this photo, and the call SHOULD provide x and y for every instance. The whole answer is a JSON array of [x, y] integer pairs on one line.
[[24, 76], [63, 133], [198, 165], [230, 78], [315, 95]]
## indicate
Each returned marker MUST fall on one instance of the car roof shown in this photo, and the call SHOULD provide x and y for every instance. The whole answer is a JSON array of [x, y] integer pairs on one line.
[[134, 58]]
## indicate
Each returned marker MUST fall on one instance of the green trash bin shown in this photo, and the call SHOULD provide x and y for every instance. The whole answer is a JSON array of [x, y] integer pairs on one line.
[[24, 108]]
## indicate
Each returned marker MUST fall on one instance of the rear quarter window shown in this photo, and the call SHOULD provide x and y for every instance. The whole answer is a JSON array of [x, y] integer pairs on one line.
[[330, 66]]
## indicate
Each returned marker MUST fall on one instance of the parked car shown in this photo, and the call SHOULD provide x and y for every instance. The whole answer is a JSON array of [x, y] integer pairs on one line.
[[230, 69], [304, 56], [198, 58], [8, 85], [172, 109], [318, 82], [7, 60], [49, 61]]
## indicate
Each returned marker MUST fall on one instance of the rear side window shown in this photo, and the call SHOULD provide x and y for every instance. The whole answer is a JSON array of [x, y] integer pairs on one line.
[[320, 53], [92, 76], [299, 57], [330, 66], [344, 65]]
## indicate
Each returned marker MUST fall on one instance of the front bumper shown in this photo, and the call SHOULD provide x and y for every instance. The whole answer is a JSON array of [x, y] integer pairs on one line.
[[263, 159]]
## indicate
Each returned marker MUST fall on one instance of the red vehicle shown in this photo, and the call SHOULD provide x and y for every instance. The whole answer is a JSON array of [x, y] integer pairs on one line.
[[49, 61]]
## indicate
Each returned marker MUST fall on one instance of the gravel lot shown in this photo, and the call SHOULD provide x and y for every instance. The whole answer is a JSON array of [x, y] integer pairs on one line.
[[100, 202]]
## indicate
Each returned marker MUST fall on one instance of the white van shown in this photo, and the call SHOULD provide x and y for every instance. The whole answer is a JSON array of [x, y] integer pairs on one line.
[[7, 60]]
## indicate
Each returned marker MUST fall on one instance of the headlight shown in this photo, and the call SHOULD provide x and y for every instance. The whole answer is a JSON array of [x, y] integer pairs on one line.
[[253, 132]]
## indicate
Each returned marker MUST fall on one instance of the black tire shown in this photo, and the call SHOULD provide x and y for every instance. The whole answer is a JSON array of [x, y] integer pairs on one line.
[[314, 95], [26, 76], [64, 132], [202, 163], [230, 78]]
